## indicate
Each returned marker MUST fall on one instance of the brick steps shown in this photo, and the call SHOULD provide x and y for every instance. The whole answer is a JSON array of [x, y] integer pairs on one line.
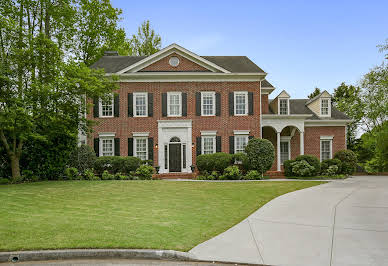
[[275, 174], [175, 176]]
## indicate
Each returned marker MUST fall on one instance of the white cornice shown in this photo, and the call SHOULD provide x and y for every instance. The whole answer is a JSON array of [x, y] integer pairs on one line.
[[295, 116], [267, 90]]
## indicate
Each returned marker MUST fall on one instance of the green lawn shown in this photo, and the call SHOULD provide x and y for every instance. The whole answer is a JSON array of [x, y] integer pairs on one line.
[[127, 214]]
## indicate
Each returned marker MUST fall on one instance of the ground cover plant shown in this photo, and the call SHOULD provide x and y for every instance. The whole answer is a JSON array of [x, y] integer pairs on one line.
[[127, 214]]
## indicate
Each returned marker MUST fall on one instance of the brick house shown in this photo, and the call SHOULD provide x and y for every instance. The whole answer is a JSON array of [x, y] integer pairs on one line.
[[174, 105]]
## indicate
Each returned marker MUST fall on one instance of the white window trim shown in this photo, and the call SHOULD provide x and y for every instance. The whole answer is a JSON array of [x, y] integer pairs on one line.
[[213, 94], [135, 139], [101, 138], [140, 134], [168, 103], [235, 142], [288, 105], [329, 107], [203, 143], [331, 147], [134, 103], [246, 102], [106, 134], [208, 132], [100, 108], [241, 132], [286, 139]]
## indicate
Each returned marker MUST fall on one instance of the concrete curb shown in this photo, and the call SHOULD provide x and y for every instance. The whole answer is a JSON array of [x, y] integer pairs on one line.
[[66, 254]]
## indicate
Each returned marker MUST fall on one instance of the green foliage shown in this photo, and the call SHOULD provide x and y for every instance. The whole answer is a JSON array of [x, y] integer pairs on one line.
[[107, 176], [287, 167], [326, 164], [4, 181], [83, 158], [316, 92], [348, 161], [231, 172], [144, 172], [71, 173], [302, 168], [88, 174], [29, 176], [253, 175], [332, 170], [146, 42], [241, 159], [116, 164], [261, 154], [120, 176], [311, 160], [214, 162]]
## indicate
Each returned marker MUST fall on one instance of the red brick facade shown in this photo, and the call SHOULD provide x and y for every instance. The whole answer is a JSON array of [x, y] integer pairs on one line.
[[312, 139], [264, 104]]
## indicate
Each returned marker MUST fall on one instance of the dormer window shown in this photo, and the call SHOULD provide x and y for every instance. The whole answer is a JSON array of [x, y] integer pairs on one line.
[[283, 106], [325, 107]]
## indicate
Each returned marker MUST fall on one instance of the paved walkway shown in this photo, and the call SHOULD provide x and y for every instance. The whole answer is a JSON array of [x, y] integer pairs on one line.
[[343, 222]]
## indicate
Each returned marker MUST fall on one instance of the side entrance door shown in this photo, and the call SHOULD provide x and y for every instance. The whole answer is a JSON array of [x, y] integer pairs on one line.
[[175, 158]]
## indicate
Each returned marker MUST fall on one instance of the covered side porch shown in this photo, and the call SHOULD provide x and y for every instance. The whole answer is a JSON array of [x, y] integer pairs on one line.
[[287, 136]]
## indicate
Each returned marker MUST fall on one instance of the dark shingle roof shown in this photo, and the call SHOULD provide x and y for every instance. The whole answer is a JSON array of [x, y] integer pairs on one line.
[[265, 83], [234, 64], [298, 107]]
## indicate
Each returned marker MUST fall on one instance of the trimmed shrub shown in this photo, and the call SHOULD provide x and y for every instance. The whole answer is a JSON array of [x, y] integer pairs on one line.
[[107, 176], [71, 173], [231, 173], [261, 154], [325, 165], [348, 161], [214, 162], [312, 161], [82, 158], [29, 176], [120, 176], [253, 175], [332, 170], [287, 167], [144, 172], [241, 159], [4, 181], [302, 168], [116, 164], [88, 174]]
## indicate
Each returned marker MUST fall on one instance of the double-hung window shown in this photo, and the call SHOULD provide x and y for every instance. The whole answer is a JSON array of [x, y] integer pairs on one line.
[[325, 107], [208, 144], [326, 146], [284, 151], [174, 103], [106, 107], [208, 100], [140, 104], [283, 106], [240, 142], [241, 103], [107, 146], [141, 148]]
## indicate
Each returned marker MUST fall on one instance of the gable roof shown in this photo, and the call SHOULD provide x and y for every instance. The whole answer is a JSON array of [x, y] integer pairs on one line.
[[266, 84], [235, 64], [317, 97], [112, 64]]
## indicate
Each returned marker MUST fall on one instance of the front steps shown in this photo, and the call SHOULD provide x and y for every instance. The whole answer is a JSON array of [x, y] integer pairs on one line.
[[175, 176], [275, 174]]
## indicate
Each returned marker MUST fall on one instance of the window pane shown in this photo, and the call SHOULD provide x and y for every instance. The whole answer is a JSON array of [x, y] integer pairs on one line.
[[140, 105], [283, 106], [284, 151], [174, 104], [240, 143], [207, 104], [141, 148], [240, 104], [325, 149], [107, 108], [107, 147], [208, 145], [325, 107]]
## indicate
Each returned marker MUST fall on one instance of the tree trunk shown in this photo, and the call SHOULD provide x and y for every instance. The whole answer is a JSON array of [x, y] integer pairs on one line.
[[15, 167]]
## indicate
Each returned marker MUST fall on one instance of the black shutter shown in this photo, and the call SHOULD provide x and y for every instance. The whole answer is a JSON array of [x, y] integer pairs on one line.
[[117, 147], [218, 143], [164, 104], [231, 103], [198, 103], [95, 107], [97, 146], [150, 104], [184, 104], [250, 103], [130, 146], [116, 105], [130, 104], [151, 149], [199, 147], [231, 144], [218, 104]]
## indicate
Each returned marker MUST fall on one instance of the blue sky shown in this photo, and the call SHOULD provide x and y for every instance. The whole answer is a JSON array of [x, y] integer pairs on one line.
[[300, 44]]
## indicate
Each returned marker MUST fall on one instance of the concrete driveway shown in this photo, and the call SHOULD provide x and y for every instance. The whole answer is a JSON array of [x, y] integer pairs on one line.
[[339, 223]]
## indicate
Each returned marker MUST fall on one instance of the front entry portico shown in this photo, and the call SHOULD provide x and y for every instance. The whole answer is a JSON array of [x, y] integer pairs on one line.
[[174, 144]]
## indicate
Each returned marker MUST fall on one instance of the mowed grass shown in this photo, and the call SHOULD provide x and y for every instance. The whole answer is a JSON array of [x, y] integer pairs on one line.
[[127, 214]]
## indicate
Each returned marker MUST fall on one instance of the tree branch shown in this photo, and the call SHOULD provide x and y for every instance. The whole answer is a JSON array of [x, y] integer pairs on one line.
[[5, 142]]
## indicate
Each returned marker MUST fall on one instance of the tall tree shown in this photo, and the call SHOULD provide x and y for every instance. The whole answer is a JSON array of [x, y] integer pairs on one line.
[[316, 92], [146, 42]]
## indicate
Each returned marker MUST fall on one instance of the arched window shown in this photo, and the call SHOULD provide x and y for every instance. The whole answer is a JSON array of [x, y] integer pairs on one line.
[[175, 139]]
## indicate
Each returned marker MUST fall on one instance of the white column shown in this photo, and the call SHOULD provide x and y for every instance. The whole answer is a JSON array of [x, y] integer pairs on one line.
[[301, 143], [278, 150]]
